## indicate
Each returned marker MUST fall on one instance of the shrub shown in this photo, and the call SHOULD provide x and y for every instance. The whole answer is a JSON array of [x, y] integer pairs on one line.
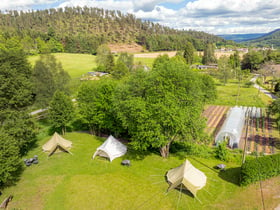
[[260, 168], [222, 152]]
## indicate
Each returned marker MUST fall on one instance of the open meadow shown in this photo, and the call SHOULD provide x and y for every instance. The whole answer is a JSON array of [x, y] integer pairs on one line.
[[65, 181]]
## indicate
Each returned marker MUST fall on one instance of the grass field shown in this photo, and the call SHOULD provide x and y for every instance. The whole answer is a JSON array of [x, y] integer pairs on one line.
[[79, 64], [74, 64], [228, 95], [66, 181]]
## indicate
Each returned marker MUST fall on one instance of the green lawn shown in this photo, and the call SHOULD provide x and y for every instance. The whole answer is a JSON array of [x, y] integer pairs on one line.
[[227, 95], [74, 64], [66, 181]]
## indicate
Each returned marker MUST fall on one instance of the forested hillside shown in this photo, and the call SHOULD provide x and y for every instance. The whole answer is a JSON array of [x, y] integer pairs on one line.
[[268, 40], [82, 30]]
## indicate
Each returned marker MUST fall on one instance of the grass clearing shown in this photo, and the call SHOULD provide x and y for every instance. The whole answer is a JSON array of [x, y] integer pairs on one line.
[[66, 181], [74, 64], [227, 96]]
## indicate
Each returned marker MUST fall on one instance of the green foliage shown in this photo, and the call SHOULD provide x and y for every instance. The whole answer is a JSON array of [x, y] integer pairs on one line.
[[259, 169], [189, 53], [119, 70], [15, 71], [277, 87], [163, 105], [127, 59], [209, 55], [96, 106], [16, 126], [268, 40], [252, 60], [61, 111], [9, 159], [21, 127], [65, 29], [49, 76], [274, 108], [225, 70], [222, 152], [105, 58]]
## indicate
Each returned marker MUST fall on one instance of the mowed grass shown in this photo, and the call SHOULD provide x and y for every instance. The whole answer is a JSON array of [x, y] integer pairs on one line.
[[65, 181], [228, 95], [75, 64]]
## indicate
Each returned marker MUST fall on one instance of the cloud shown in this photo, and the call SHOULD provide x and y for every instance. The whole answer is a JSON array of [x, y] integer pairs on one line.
[[23, 4], [149, 5]]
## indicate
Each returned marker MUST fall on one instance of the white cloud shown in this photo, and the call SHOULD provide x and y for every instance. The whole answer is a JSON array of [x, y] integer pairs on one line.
[[149, 5], [213, 16]]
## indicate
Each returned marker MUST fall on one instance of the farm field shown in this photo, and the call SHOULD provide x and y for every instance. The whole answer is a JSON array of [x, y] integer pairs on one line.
[[65, 181], [262, 136]]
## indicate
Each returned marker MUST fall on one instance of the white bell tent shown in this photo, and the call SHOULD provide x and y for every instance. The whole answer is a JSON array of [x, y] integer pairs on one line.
[[111, 148]]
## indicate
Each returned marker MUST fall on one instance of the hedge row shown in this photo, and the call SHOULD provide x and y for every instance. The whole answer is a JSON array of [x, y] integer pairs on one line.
[[260, 168]]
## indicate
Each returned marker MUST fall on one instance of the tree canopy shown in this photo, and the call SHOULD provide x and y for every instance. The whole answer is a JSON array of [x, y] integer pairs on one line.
[[163, 105], [61, 111], [49, 76]]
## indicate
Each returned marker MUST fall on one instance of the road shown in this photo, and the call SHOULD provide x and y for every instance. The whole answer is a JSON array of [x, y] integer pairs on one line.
[[266, 92]]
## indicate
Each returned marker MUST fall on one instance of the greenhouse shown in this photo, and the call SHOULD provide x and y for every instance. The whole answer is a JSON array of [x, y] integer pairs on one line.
[[231, 130]]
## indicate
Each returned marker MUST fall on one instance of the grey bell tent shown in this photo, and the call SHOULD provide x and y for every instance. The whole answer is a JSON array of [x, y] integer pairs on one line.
[[186, 176], [111, 148], [57, 144]]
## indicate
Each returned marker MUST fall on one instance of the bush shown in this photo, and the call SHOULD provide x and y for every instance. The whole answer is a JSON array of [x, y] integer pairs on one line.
[[222, 152], [185, 148], [259, 169], [248, 84]]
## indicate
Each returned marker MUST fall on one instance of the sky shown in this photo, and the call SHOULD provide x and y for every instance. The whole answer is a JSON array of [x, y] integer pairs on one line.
[[211, 16]]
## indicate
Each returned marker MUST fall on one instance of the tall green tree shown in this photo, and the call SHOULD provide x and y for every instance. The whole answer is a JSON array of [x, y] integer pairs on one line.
[[120, 70], [104, 58], [252, 60], [15, 76], [127, 59], [161, 106], [49, 76], [95, 103], [209, 55], [61, 111], [189, 53], [225, 70], [9, 159], [16, 126]]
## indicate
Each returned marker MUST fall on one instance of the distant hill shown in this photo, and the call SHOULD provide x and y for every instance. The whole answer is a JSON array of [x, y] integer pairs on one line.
[[268, 40], [82, 30], [241, 37]]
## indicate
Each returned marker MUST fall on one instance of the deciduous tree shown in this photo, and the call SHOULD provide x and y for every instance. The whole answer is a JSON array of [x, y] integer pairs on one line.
[[61, 111], [161, 106]]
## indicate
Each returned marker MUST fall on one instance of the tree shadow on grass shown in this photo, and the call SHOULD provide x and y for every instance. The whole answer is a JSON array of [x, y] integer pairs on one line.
[[231, 175], [135, 155]]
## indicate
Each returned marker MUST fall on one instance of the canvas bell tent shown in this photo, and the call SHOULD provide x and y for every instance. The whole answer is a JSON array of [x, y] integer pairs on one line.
[[186, 176], [57, 144], [111, 148]]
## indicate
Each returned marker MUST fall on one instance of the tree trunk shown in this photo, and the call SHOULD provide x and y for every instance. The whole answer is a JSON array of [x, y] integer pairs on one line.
[[164, 151]]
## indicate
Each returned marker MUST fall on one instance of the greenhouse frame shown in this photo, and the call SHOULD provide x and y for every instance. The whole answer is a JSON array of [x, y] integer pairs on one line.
[[231, 130]]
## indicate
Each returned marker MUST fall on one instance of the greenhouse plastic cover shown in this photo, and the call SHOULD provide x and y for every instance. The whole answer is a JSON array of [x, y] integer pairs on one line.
[[232, 127]]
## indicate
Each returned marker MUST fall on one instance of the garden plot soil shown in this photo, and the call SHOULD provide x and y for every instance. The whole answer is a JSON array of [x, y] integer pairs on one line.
[[257, 132]]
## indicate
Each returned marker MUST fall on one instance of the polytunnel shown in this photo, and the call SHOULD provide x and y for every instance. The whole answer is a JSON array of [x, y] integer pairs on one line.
[[231, 130]]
